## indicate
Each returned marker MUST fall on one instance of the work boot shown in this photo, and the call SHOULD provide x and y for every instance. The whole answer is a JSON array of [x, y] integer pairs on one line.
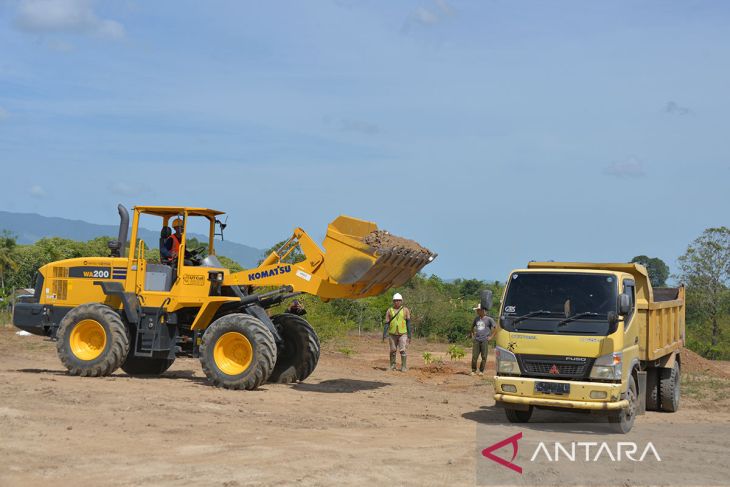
[[403, 366], [392, 361]]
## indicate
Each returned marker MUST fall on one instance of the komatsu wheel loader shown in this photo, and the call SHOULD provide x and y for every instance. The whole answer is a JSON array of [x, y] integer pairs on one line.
[[126, 311]]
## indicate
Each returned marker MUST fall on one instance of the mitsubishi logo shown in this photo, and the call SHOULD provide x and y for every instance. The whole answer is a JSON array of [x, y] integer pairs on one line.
[[554, 369]]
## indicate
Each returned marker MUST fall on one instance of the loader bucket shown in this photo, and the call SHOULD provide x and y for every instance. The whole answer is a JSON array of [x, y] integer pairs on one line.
[[357, 253]]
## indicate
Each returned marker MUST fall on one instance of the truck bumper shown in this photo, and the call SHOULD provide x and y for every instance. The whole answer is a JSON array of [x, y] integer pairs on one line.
[[579, 397]]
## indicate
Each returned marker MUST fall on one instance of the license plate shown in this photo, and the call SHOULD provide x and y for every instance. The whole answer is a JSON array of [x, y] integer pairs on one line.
[[552, 387]]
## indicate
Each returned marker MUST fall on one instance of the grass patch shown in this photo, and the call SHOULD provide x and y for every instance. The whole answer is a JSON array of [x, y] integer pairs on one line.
[[705, 388]]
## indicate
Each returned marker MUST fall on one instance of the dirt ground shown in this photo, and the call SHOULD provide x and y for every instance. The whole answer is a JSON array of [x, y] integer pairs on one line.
[[351, 423]]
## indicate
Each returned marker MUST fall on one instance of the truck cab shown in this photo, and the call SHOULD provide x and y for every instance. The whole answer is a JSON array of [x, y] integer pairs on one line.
[[583, 337]]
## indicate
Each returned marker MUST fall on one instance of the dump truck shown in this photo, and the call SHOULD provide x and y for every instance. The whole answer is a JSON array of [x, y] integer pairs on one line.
[[128, 311], [588, 337]]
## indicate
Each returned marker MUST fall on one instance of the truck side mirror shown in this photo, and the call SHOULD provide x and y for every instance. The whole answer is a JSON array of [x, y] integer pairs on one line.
[[486, 299], [624, 304]]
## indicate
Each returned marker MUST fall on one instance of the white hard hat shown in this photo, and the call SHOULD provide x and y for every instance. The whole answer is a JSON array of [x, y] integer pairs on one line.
[[397, 296]]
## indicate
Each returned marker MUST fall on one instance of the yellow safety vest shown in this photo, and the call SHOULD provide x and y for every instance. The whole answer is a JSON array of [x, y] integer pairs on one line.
[[397, 324]]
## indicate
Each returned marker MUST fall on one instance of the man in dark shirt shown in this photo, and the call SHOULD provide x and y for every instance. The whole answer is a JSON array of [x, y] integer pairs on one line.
[[482, 330]]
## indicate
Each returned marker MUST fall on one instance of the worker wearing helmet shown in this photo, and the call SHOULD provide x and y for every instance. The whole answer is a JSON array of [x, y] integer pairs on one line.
[[398, 331], [174, 241]]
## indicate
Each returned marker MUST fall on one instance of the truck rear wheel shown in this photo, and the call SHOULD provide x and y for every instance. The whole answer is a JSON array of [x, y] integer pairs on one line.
[[136, 366], [237, 351], [652, 389], [669, 388], [623, 421], [298, 355], [517, 416], [92, 340]]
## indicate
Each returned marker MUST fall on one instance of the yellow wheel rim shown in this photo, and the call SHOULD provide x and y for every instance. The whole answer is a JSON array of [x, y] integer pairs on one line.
[[87, 339], [233, 353]]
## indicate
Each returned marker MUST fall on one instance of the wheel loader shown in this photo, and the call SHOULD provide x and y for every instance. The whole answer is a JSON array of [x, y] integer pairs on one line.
[[140, 314]]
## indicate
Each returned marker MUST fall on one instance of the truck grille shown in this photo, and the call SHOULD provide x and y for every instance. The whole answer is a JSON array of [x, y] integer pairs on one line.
[[557, 367]]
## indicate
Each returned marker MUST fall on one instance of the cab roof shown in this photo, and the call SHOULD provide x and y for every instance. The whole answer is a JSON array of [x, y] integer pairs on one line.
[[176, 210]]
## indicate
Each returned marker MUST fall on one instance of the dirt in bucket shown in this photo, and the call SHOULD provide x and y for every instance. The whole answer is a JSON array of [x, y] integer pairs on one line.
[[381, 239]]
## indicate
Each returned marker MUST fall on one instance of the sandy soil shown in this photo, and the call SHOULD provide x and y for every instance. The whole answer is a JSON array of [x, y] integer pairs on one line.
[[350, 423]]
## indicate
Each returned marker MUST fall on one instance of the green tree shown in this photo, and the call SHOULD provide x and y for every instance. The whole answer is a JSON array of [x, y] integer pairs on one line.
[[658, 270], [8, 260], [705, 268]]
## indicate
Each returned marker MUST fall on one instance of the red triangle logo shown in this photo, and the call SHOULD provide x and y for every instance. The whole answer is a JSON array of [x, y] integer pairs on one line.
[[487, 452]]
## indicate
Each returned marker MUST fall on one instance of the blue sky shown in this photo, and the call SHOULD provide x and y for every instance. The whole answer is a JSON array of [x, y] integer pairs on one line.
[[493, 132]]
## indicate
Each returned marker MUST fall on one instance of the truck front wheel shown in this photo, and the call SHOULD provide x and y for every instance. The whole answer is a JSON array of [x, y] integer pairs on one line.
[[623, 421], [517, 416]]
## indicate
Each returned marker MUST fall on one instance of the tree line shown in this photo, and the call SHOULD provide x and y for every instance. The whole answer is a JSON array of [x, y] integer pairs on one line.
[[441, 309]]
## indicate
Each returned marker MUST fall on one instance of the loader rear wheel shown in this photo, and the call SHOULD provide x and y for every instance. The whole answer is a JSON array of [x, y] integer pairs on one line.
[[298, 355], [669, 388], [136, 366], [237, 351], [92, 340]]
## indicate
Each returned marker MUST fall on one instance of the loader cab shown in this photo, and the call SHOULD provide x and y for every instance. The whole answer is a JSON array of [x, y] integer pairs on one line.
[[158, 271]]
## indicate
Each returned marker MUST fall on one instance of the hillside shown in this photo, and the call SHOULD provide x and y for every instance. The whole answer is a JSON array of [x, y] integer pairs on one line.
[[31, 227]]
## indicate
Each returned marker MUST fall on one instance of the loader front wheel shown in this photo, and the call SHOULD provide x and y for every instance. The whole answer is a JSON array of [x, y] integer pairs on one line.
[[298, 354], [237, 351], [92, 340]]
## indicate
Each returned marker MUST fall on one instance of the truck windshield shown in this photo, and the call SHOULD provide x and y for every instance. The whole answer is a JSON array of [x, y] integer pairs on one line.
[[564, 303]]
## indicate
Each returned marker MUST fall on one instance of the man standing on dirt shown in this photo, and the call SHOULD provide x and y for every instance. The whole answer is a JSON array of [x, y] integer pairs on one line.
[[398, 331], [482, 330]]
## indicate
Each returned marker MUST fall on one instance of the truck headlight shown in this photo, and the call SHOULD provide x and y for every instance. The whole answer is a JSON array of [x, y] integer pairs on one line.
[[607, 367], [506, 362]]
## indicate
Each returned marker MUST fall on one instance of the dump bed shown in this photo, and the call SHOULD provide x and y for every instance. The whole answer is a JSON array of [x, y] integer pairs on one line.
[[660, 312], [663, 332]]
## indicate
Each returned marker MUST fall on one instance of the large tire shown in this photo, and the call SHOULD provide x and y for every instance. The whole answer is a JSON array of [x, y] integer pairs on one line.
[[298, 355], [652, 389], [517, 416], [146, 366], [237, 351], [669, 388], [92, 340], [623, 421]]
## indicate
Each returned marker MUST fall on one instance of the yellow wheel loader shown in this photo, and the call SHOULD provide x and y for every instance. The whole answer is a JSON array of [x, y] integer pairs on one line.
[[130, 312]]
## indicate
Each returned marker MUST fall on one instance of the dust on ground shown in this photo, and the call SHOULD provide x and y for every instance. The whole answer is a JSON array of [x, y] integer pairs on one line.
[[351, 423]]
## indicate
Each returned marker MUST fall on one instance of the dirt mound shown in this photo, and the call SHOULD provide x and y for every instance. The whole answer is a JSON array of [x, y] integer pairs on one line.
[[696, 364], [382, 240]]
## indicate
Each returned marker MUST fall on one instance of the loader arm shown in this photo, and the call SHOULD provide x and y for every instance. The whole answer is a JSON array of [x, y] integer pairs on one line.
[[348, 267]]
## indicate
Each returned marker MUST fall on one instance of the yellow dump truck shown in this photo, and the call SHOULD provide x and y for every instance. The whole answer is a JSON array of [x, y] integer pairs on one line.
[[588, 337]]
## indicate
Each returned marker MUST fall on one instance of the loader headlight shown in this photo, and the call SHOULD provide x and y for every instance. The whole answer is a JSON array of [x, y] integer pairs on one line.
[[506, 362], [607, 367]]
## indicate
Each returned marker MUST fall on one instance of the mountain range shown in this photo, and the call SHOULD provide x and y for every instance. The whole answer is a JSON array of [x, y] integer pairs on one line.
[[31, 227]]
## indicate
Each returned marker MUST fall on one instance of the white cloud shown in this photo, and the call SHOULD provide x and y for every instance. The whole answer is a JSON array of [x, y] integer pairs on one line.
[[65, 16], [425, 16], [37, 191], [626, 169], [3, 114]]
